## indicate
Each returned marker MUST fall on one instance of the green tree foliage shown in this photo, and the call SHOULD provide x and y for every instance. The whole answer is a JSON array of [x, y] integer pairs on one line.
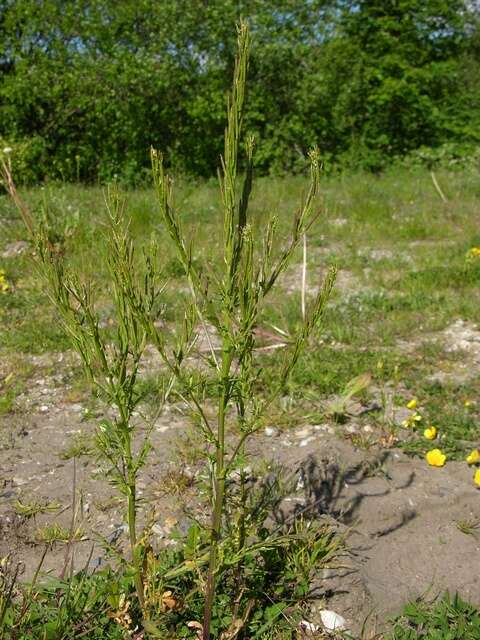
[[87, 86], [406, 85]]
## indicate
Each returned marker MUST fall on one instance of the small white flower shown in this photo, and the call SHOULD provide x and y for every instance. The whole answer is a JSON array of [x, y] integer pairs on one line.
[[7, 150]]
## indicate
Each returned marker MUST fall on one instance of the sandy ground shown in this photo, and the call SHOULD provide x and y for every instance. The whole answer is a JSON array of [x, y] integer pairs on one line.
[[400, 516]]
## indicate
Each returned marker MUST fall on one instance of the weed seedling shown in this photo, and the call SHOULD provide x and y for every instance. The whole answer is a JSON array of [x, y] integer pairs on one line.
[[33, 508], [469, 527]]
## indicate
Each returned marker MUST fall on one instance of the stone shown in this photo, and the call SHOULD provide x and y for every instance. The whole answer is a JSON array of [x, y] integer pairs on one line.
[[306, 441], [332, 621], [309, 628], [304, 433], [15, 249], [324, 428], [76, 408], [270, 431]]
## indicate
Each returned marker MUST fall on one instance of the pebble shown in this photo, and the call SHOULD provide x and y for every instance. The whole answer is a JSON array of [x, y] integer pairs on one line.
[[326, 428], [309, 628], [303, 433], [270, 431], [161, 429], [8, 494], [43, 408], [300, 484], [14, 248], [332, 621]]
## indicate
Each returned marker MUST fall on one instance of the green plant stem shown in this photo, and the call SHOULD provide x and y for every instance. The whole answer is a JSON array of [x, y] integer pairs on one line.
[[132, 517], [219, 490], [132, 512]]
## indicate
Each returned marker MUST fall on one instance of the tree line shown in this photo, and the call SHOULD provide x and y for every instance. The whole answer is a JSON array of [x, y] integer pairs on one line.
[[87, 86]]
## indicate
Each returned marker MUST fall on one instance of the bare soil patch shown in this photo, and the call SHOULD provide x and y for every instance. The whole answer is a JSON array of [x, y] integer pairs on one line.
[[399, 516]]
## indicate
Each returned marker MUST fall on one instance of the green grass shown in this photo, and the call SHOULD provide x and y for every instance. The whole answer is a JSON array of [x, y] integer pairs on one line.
[[403, 277], [449, 618], [95, 604]]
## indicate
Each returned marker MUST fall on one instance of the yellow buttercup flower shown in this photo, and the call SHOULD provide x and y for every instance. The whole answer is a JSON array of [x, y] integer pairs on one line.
[[4, 286], [473, 253], [436, 458], [467, 403], [430, 433], [473, 457], [476, 477], [412, 404]]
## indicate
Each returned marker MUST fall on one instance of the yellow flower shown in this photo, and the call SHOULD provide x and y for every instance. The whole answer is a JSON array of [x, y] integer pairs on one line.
[[467, 404], [435, 458], [4, 286], [476, 477], [472, 253], [412, 404], [430, 433], [473, 457], [411, 420]]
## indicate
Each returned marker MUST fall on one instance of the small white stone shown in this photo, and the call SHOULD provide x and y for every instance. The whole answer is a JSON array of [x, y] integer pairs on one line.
[[270, 431], [300, 484], [43, 408], [306, 441], [367, 428], [332, 621], [304, 433], [326, 428], [162, 429], [309, 627]]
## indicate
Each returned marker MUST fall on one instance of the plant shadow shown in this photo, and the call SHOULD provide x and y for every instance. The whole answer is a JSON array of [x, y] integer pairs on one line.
[[323, 483]]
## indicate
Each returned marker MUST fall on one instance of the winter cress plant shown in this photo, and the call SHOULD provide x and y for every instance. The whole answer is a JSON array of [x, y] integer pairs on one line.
[[223, 557]]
